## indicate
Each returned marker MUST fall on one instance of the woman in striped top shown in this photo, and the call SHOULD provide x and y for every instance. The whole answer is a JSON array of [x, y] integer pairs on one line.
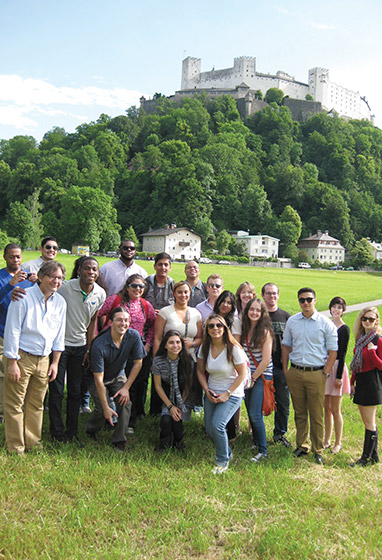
[[257, 339]]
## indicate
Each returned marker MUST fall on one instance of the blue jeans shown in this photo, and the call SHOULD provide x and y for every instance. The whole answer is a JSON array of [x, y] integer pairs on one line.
[[254, 403], [216, 417], [282, 403]]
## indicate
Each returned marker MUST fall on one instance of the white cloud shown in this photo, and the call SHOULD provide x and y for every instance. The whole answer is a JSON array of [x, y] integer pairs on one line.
[[22, 100], [323, 26], [22, 91]]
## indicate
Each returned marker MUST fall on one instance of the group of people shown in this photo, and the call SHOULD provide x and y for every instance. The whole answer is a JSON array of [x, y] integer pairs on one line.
[[105, 329]]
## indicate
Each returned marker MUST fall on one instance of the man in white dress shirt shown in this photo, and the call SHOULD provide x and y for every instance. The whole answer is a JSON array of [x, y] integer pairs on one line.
[[34, 328], [115, 273]]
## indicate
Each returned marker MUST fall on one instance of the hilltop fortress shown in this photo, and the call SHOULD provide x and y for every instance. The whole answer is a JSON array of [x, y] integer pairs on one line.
[[242, 81]]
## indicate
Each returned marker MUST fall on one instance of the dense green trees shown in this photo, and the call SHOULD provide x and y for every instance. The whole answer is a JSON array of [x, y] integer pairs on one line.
[[200, 165]]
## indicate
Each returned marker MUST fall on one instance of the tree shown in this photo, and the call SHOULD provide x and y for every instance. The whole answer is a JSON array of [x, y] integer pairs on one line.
[[289, 230], [274, 95], [19, 223], [223, 239], [87, 215], [34, 206], [130, 234], [362, 253]]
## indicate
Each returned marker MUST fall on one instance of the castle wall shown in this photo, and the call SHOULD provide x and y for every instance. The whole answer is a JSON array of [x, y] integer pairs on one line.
[[345, 102]]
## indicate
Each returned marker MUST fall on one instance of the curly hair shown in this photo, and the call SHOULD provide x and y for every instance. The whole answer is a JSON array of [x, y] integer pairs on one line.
[[124, 293]]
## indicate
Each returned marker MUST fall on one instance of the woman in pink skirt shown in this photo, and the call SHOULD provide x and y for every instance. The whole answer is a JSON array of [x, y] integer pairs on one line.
[[338, 382]]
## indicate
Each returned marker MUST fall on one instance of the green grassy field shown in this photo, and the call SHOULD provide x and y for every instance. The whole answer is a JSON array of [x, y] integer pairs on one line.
[[354, 287], [88, 502]]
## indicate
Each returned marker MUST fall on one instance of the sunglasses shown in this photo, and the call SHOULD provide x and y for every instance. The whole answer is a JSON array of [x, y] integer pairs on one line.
[[128, 248], [305, 299], [136, 286], [212, 326], [49, 247], [368, 319], [214, 285]]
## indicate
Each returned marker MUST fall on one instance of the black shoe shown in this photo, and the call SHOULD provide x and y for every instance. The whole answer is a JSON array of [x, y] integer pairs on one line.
[[319, 459], [91, 435], [120, 446], [299, 452], [283, 440]]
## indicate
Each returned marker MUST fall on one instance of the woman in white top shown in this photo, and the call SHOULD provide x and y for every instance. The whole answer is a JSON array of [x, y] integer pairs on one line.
[[221, 371], [186, 320]]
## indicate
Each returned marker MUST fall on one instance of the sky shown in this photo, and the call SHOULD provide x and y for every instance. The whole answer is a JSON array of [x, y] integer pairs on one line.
[[64, 62]]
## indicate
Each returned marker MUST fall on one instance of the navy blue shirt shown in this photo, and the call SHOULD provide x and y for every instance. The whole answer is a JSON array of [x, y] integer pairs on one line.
[[106, 357], [5, 295]]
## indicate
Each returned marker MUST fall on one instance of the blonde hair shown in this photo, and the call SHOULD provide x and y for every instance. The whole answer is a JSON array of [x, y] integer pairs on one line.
[[358, 327]]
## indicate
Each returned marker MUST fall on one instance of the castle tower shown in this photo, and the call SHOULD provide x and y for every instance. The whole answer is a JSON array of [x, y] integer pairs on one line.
[[190, 72]]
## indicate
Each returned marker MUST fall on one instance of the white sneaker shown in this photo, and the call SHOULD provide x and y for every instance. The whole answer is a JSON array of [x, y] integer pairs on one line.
[[86, 409], [259, 457], [130, 431], [219, 470]]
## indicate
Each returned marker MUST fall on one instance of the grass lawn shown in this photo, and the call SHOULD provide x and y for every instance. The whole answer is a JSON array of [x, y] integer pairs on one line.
[[354, 287], [89, 502]]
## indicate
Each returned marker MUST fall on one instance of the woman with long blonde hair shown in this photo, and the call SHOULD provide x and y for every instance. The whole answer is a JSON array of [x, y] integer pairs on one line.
[[366, 380]]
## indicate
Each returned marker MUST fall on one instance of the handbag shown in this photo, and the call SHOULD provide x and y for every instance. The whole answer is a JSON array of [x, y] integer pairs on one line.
[[269, 403]]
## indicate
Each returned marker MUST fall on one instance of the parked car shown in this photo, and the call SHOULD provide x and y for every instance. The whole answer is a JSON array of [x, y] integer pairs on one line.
[[205, 260], [224, 262], [304, 265]]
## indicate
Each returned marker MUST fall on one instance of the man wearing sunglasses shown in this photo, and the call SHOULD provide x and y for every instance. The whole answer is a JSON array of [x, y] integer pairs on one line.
[[115, 273], [49, 249], [310, 343], [214, 289]]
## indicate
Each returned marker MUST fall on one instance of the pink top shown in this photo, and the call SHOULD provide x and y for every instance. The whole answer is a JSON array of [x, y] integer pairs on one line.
[[137, 316]]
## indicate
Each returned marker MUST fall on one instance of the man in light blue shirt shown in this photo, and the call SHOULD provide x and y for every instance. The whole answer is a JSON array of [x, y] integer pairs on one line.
[[310, 343], [34, 328], [214, 289]]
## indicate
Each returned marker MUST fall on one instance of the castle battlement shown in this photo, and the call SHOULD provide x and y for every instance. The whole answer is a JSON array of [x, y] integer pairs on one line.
[[345, 102]]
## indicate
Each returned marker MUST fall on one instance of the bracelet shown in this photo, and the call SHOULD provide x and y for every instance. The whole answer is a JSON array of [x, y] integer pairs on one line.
[[169, 406], [229, 392]]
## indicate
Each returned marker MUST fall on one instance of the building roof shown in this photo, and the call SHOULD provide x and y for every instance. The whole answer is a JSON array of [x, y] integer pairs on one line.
[[320, 239], [166, 231]]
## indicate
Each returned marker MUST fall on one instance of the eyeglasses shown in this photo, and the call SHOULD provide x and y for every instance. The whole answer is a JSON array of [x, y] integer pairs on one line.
[[59, 278], [214, 285], [305, 299], [49, 247], [368, 319], [128, 248], [136, 286], [212, 326]]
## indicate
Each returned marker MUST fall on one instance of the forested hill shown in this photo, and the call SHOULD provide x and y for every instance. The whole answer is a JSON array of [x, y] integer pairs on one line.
[[199, 165]]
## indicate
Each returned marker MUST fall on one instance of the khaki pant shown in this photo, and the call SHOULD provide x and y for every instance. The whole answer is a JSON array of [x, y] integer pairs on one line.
[[2, 372], [24, 403], [307, 389]]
